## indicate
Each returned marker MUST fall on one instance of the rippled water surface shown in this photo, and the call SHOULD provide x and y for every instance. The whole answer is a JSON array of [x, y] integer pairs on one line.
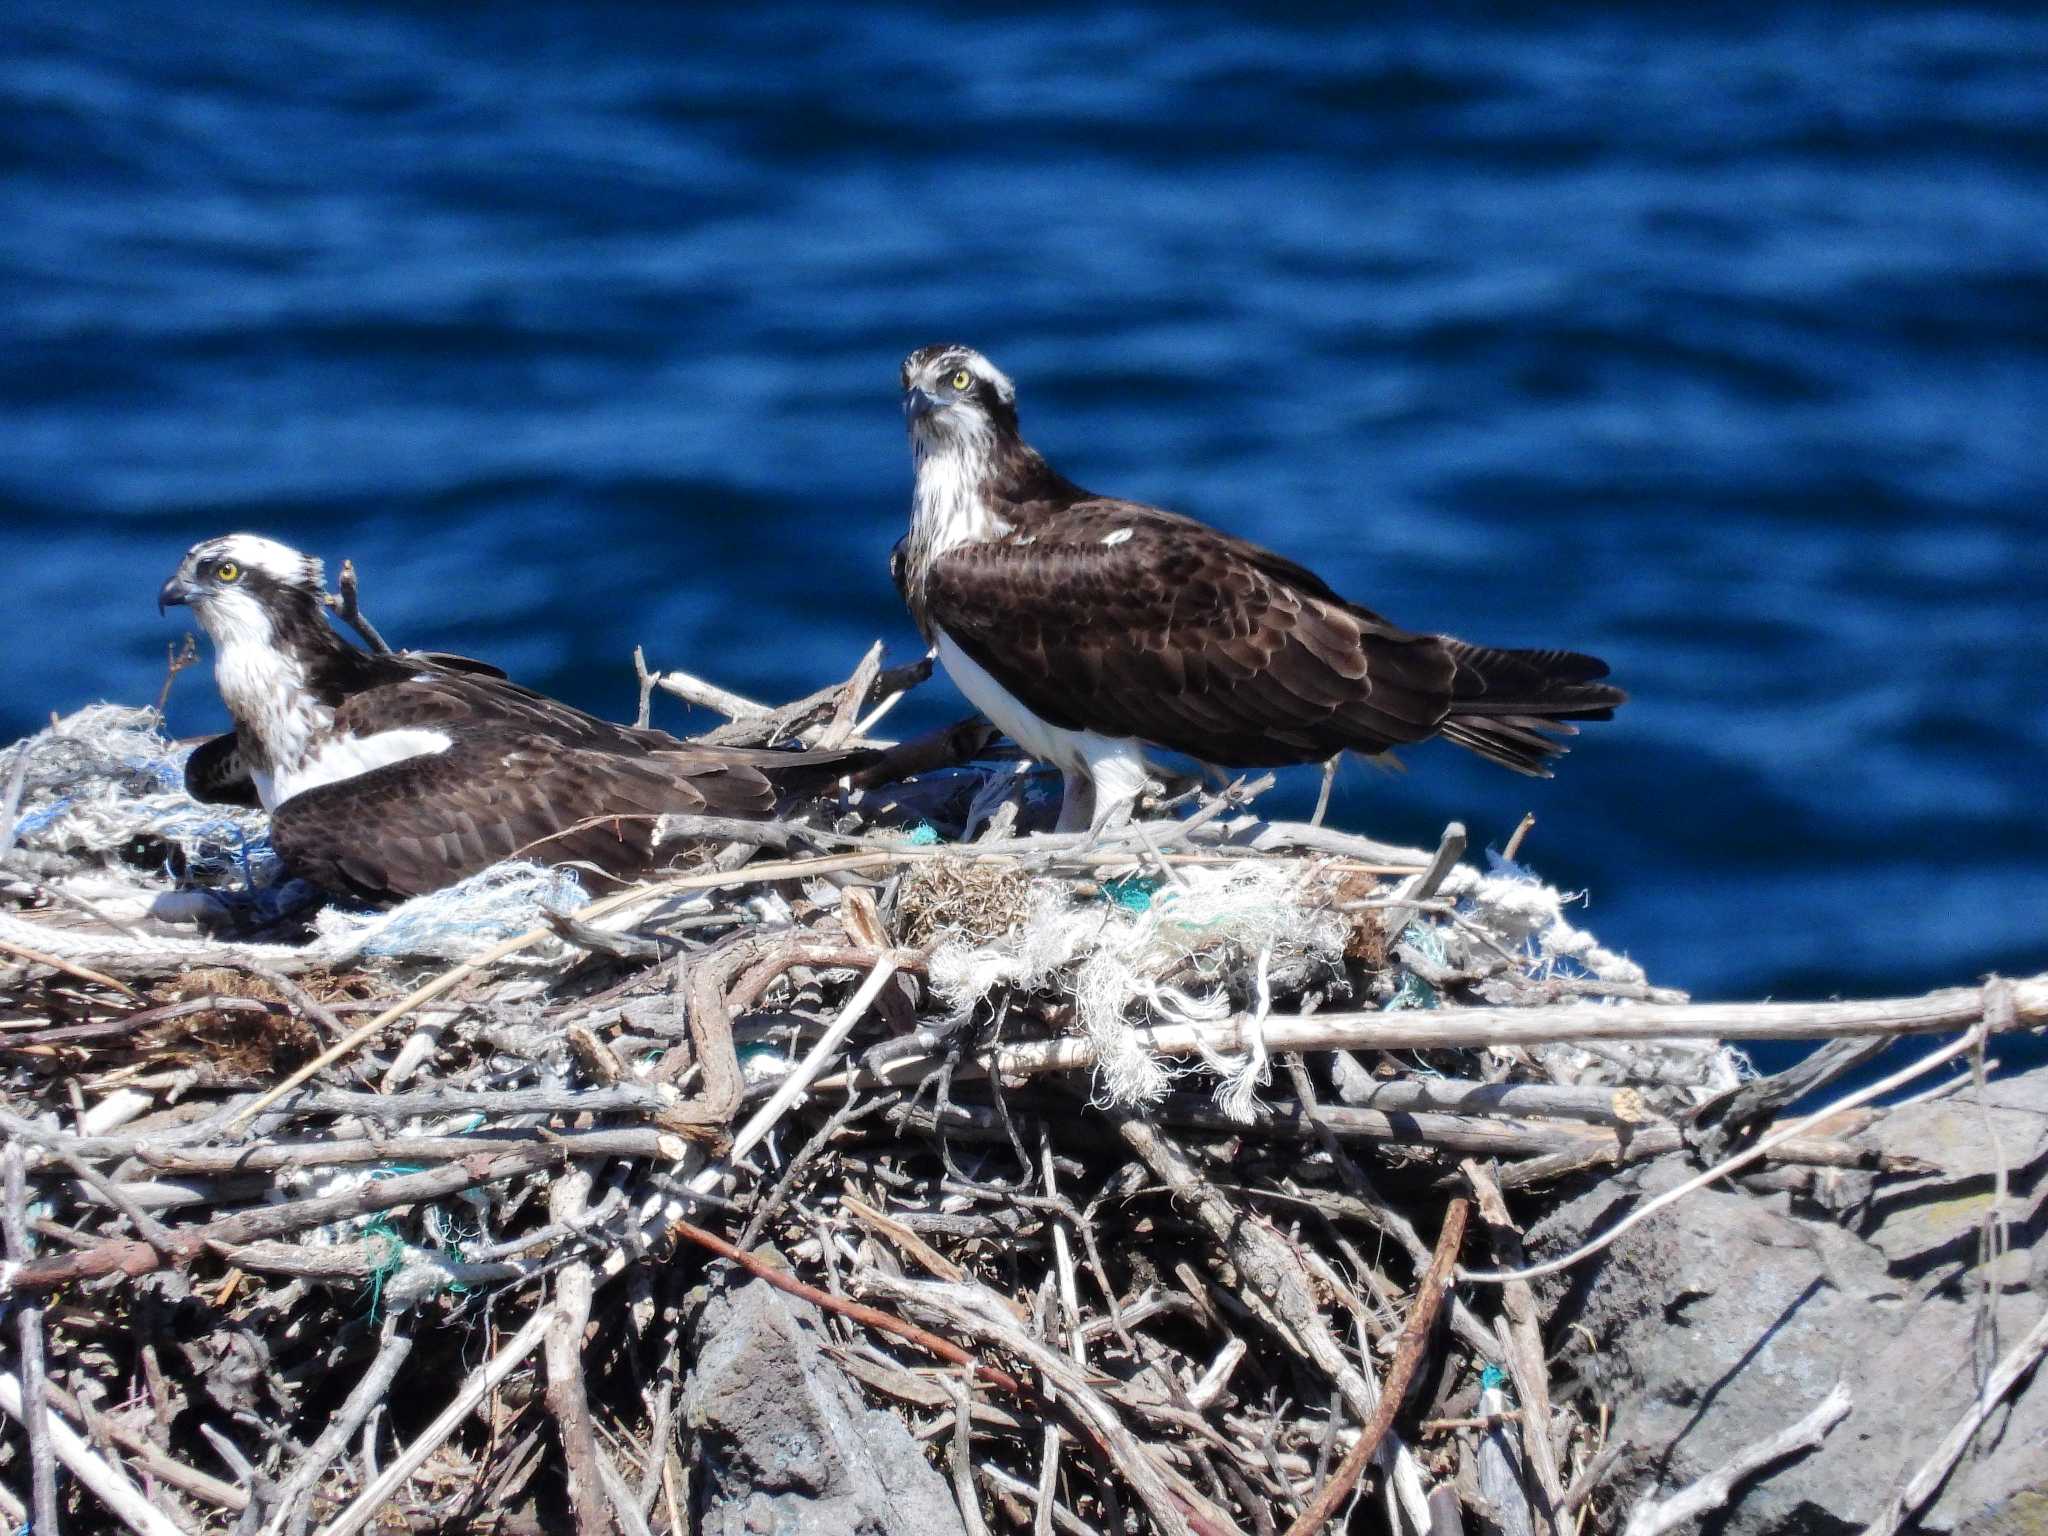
[[1721, 351]]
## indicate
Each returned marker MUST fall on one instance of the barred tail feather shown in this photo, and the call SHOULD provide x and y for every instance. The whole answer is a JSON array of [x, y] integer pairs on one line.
[[1511, 707], [804, 773]]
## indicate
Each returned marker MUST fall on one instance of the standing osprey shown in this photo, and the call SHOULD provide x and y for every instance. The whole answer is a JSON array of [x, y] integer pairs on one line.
[[1089, 628], [390, 775]]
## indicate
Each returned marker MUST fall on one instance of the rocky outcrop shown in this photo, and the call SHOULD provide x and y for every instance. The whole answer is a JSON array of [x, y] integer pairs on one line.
[[786, 1445], [1724, 1319]]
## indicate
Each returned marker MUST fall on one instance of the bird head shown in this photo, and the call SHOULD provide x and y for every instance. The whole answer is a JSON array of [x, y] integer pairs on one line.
[[952, 395], [239, 586]]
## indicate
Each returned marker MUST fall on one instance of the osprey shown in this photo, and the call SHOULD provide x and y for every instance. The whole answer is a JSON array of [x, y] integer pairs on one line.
[[1089, 628], [390, 775]]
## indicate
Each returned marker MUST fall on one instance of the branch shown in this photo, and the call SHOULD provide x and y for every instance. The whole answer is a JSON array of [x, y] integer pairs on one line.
[[108, 1483], [568, 1395], [1743, 1159], [482, 1382], [36, 1417], [131, 1257], [1953, 1008], [1429, 1295], [297, 1489], [1935, 1470], [869, 1317], [1714, 1490]]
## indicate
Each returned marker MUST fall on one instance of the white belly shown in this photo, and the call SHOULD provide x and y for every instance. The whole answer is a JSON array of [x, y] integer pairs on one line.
[[345, 757], [1116, 764]]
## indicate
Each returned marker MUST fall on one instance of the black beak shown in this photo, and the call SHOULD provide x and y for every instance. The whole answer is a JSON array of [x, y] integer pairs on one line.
[[917, 405], [172, 594]]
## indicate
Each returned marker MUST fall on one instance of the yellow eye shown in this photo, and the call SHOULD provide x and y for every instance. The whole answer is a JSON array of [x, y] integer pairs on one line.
[[227, 570], [962, 379]]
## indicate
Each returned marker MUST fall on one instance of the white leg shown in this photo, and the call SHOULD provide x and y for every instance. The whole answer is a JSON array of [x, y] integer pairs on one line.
[[1120, 775], [1323, 799]]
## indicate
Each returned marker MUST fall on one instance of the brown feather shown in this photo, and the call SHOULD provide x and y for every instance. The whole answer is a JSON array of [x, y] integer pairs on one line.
[[523, 775]]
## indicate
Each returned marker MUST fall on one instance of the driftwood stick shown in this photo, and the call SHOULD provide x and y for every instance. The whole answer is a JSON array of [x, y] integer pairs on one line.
[[695, 691], [1268, 837], [69, 968], [626, 1142], [106, 1427], [965, 1494], [354, 1263], [131, 1257], [17, 775], [681, 829], [1524, 1340], [1712, 1126], [482, 1382], [147, 1227], [1419, 888], [643, 715], [1925, 1483], [1462, 1096], [1442, 1028], [853, 697], [567, 1396], [889, 692], [1408, 1353], [1061, 1518], [98, 1148], [1590, 1477], [625, 1098], [1655, 1517], [1486, 1135], [36, 1417], [794, 1086], [1572, 1147], [107, 1482], [621, 1504]]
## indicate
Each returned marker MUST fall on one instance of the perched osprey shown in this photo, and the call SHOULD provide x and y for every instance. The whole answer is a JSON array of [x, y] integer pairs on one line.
[[1089, 628], [390, 775]]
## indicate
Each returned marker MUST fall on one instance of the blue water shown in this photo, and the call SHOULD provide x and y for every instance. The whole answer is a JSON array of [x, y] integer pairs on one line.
[[1720, 350]]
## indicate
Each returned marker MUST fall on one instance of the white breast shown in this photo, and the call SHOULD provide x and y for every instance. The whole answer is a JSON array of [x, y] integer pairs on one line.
[[1118, 760], [265, 690], [949, 508], [344, 757]]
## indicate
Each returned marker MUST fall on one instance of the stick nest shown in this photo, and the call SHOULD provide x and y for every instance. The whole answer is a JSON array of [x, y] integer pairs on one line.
[[1010, 1092]]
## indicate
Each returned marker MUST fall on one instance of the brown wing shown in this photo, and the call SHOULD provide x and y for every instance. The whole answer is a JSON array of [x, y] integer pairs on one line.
[[441, 691], [427, 693], [525, 776], [448, 661], [426, 822], [1127, 620]]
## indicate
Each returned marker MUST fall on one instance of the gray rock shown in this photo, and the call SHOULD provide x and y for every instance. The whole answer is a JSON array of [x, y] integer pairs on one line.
[[786, 1447], [1724, 1319]]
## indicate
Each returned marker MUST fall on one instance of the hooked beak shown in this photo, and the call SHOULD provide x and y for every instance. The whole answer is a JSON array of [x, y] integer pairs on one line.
[[917, 405], [174, 593]]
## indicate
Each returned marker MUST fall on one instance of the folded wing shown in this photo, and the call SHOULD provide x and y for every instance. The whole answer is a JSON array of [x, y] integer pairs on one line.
[[426, 822], [1131, 621]]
